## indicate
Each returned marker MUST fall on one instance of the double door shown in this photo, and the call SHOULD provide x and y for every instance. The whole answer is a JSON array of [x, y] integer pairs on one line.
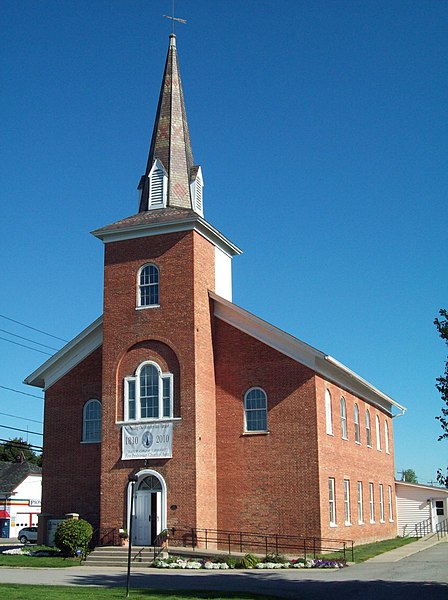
[[147, 517]]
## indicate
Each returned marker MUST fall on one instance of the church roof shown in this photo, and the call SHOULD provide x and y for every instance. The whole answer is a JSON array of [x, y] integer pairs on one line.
[[170, 143], [322, 364]]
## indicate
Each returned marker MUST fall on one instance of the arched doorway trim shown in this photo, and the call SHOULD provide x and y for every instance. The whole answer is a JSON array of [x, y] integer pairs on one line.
[[163, 503]]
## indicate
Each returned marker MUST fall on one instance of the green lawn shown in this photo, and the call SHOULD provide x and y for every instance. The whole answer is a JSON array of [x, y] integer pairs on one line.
[[15, 560], [367, 551], [49, 592]]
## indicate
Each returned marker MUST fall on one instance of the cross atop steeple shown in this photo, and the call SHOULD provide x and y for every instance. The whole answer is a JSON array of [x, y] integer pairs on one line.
[[173, 18]]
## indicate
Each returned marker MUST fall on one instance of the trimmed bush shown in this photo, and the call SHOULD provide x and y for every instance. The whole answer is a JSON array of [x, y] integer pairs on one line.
[[248, 562], [72, 535]]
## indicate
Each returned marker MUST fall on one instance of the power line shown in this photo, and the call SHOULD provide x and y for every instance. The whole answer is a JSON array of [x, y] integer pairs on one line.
[[28, 339], [22, 430], [23, 346], [22, 446], [21, 418], [33, 328], [24, 393]]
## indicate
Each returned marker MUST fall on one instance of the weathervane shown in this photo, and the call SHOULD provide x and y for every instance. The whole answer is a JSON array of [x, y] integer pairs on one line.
[[173, 18]]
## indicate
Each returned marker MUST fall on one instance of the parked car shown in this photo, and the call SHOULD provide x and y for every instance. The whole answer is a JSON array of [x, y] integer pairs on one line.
[[27, 535]]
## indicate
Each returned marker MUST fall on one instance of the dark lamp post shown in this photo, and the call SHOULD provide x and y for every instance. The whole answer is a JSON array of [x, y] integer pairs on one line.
[[132, 480]]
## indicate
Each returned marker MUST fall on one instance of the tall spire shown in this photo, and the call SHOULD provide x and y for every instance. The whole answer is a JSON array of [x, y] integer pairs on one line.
[[170, 178]]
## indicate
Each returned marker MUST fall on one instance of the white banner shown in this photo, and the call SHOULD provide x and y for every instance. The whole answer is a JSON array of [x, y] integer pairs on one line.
[[153, 440]]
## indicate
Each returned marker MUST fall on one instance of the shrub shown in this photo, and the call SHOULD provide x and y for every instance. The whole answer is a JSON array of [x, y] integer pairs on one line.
[[72, 535], [248, 561], [275, 558]]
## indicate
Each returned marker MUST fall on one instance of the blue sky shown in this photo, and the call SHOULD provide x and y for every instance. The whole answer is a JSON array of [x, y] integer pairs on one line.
[[321, 128]]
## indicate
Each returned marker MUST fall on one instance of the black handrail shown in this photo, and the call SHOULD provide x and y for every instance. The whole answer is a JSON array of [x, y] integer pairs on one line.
[[423, 528], [442, 529], [241, 541]]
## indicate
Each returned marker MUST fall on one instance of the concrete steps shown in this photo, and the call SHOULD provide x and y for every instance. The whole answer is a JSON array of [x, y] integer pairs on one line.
[[117, 556]]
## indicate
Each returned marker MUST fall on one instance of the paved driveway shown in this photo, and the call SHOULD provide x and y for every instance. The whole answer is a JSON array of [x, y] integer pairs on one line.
[[419, 577]]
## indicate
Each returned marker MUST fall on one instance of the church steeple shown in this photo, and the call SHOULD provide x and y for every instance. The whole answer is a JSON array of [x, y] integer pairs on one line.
[[171, 179]]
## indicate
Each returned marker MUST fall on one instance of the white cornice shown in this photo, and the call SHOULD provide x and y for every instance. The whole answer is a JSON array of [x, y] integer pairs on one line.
[[68, 357], [326, 366], [195, 223]]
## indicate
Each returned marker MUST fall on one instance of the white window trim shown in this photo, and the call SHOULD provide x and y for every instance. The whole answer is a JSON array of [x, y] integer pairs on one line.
[[347, 511], [332, 501], [343, 406], [391, 510], [381, 500], [83, 440], [328, 413], [136, 379], [368, 429], [360, 504], [378, 433], [139, 305], [356, 423], [371, 503], [251, 431], [386, 437]]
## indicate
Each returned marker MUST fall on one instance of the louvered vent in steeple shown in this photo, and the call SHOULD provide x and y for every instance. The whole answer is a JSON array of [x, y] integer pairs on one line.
[[158, 186], [196, 189]]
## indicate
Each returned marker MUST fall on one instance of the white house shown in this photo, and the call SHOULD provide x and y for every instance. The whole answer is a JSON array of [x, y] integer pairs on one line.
[[417, 504], [20, 496]]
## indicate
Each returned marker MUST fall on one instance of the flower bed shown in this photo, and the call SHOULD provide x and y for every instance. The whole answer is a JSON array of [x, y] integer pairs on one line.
[[246, 562]]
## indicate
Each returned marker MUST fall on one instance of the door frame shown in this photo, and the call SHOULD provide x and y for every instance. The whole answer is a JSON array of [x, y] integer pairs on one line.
[[163, 504]]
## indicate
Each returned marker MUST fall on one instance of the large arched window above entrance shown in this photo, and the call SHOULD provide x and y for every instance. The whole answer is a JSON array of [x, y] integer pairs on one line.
[[91, 421], [148, 286], [149, 394], [150, 483]]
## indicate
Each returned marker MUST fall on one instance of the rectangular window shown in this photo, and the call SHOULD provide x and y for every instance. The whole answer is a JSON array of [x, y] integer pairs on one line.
[[360, 509], [368, 430], [130, 399], [167, 395], [371, 503], [332, 501], [439, 508], [381, 504], [347, 501], [356, 423], [391, 512], [343, 419], [328, 417]]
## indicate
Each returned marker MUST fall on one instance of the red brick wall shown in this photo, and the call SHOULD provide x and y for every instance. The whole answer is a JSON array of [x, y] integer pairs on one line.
[[346, 459], [71, 469], [178, 336], [267, 482]]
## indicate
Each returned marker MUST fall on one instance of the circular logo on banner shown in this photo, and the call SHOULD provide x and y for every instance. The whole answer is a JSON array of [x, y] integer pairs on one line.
[[147, 439]]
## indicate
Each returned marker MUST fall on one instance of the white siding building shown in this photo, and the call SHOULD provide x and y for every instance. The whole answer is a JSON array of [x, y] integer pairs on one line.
[[417, 503]]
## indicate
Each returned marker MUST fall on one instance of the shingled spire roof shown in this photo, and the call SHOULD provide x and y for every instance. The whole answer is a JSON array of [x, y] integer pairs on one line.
[[169, 172]]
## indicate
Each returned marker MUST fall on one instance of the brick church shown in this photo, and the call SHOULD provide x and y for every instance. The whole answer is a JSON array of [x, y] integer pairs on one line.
[[223, 421]]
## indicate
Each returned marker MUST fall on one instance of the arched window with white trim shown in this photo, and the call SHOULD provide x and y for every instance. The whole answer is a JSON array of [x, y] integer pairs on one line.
[[378, 432], [91, 421], [386, 437], [328, 415], [356, 423], [255, 410], [149, 394], [148, 286], [343, 418], [368, 429]]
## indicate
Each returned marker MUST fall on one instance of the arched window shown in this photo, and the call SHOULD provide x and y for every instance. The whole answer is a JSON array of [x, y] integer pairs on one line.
[[343, 418], [91, 421], [255, 410], [368, 429], [148, 286], [386, 437], [148, 395], [356, 422], [378, 433], [328, 416]]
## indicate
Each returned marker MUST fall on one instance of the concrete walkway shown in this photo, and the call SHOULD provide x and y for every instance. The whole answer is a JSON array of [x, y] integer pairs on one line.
[[408, 550]]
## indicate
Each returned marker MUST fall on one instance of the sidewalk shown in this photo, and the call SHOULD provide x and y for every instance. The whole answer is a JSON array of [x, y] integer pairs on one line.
[[408, 550]]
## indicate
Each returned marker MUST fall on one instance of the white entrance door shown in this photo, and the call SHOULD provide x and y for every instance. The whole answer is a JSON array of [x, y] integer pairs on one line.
[[147, 521]]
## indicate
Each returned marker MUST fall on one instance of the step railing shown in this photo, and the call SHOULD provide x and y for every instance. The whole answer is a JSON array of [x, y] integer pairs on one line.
[[262, 543], [423, 528], [442, 529]]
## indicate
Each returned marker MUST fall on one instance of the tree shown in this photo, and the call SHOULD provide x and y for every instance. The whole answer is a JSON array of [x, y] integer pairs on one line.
[[409, 476], [16, 449], [442, 386]]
